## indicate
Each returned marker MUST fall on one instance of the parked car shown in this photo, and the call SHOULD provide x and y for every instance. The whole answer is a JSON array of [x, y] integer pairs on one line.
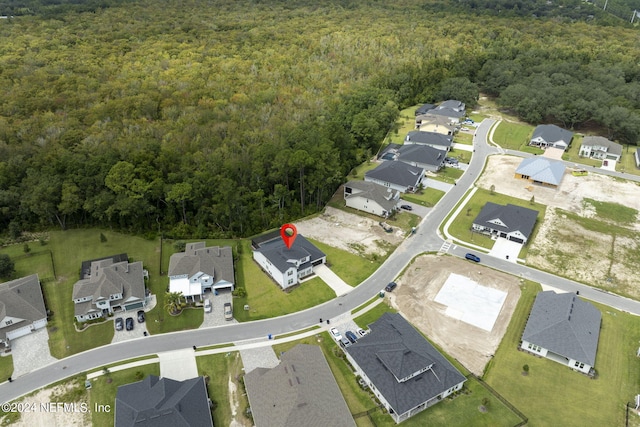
[[140, 316], [335, 333], [129, 323], [472, 257], [406, 207], [451, 160], [361, 332], [351, 337], [207, 306], [119, 324], [228, 311], [344, 342], [390, 287]]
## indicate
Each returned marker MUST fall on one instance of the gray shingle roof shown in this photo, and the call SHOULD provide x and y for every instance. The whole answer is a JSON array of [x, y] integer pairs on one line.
[[21, 299], [512, 216], [215, 261], [424, 108], [542, 169], [599, 141], [276, 251], [108, 278], [394, 349], [163, 402], [552, 133], [564, 324], [447, 112], [431, 138], [398, 173], [453, 104], [421, 154], [384, 196], [300, 391]]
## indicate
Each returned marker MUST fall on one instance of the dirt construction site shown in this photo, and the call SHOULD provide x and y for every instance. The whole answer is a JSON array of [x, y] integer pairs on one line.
[[415, 299]]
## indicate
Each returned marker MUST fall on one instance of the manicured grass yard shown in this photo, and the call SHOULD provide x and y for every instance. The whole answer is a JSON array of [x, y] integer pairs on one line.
[[427, 197], [357, 174], [448, 175], [515, 136], [461, 227], [220, 369], [627, 162], [548, 395], [6, 366], [351, 268], [103, 392], [463, 138]]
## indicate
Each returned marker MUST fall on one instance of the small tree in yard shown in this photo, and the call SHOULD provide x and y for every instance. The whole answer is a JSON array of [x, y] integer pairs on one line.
[[7, 268], [103, 238], [492, 189], [525, 370], [468, 211], [533, 200], [26, 248]]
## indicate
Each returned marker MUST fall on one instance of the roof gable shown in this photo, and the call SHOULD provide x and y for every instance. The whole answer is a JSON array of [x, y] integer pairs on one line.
[[423, 137], [280, 256], [398, 173], [385, 197], [214, 261], [599, 141], [507, 218], [552, 133], [21, 299], [542, 169], [423, 154]]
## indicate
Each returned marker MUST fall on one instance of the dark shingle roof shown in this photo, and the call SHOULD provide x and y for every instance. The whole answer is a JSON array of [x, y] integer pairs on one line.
[[394, 350], [398, 173], [513, 217], [21, 299], [552, 133], [599, 141], [564, 324], [276, 251], [163, 402], [453, 104], [424, 108], [383, 196], [108, 278], [215, 261], [431, 138], [424, 154], [300, 391]]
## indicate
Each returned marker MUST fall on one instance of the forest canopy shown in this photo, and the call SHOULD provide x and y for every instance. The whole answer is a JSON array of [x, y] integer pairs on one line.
[[224, 118]]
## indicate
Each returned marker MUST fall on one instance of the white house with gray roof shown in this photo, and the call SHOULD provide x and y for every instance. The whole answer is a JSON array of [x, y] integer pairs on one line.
[[540, 170], [109, 287], [511, 222], [402, 369], [431, 139], [22, 309], [563, 328], [199, 269], [598, 147], [397, 176], [551, 136], [287, 266], [370, 197], [422, 156], [300, 391]]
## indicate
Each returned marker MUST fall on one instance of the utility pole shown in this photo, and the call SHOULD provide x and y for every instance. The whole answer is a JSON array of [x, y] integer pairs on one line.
[[605, 5], [635, 12]]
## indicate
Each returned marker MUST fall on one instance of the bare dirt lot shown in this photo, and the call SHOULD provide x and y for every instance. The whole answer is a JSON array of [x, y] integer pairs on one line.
[[561, 245], [354, 233], [414, 298]]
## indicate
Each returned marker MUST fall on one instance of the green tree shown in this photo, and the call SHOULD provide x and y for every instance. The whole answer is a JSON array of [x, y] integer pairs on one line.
[[173, 302], [181, 193], [7, 268]]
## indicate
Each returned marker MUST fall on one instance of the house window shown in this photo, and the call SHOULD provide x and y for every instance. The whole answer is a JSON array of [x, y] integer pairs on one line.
[[290, 281], [530, 345], [290, 273], [8, 322], [576, 364]]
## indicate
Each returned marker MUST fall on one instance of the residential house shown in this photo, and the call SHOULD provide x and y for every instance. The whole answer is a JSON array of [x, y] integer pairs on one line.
[[453, 116], [422, 156], [432, 139], [371, 197], [396, 175], [287, 266], [437, 124], [563, 328], [453, 104], [540, 170], [163, 402], [300, 391], [199, 269], [22, 309], [402, 369], [601, 148], [551, 136], [109, 287], [424, 108], [390, 152], [511, 222]]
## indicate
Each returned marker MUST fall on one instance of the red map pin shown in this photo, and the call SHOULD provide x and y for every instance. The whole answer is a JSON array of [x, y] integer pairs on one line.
[[289, 234]]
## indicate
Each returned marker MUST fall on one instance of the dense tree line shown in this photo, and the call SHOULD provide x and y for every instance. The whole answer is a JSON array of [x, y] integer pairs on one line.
[[223, 118]]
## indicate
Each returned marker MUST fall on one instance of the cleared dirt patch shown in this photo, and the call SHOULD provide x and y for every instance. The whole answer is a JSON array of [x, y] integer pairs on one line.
[[414, 298], [349, 232]]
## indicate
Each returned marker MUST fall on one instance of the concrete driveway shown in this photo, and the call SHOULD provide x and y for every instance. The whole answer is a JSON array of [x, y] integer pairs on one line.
[[504, 248], [178, 365], [216, 316], [31, 352], [330, 278], [416, 209], [438, 185]]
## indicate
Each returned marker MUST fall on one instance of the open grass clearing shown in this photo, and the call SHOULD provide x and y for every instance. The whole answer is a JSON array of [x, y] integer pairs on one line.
[[6, 366], [614, 212], [405, 123], [357, 173], [447, 174], [548, 394], [465, 138], [351, 268], [515, 136], [627, 163], [428, 197]]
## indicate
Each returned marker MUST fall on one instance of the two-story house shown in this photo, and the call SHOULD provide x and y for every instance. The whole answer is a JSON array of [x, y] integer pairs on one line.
[[22, 309]]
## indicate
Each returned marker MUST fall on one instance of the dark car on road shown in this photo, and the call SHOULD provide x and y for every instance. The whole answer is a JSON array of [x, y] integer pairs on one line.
[[472, 257], [129, 323], [351, 336], [406, 207], [140, 316], [390, 287], [119, 324]]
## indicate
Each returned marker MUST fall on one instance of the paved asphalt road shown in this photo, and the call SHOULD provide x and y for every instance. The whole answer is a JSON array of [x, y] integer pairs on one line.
[[426, 239]]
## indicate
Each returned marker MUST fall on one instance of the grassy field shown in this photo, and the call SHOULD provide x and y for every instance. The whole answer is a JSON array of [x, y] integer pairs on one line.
[[515, 136], [6, 366], [427, 197], [221, 369], [448, 174], [548, 395], [627, 162], [351, 268], [461, 227], [463, 138], [357, 174], [613, 211], [103, 392]]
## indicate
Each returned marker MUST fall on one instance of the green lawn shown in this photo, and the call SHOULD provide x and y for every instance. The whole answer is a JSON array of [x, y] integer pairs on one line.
[[374, 314], [265, 298], [351, 268], [515, 136], [366, 304], [463, 138], [461, 227], [219, 369], [627, 162], [427, 197], [357, 174], [548, 395], [448, 175], [103, 392], [6, 366], [406, 122], [613, 211]]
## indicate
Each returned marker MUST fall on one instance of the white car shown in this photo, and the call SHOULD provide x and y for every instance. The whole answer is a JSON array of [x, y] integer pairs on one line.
[[336, 334], [361, 332], [207, 306]]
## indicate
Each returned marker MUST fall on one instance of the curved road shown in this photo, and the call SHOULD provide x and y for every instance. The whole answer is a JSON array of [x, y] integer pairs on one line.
[[426, 239]]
